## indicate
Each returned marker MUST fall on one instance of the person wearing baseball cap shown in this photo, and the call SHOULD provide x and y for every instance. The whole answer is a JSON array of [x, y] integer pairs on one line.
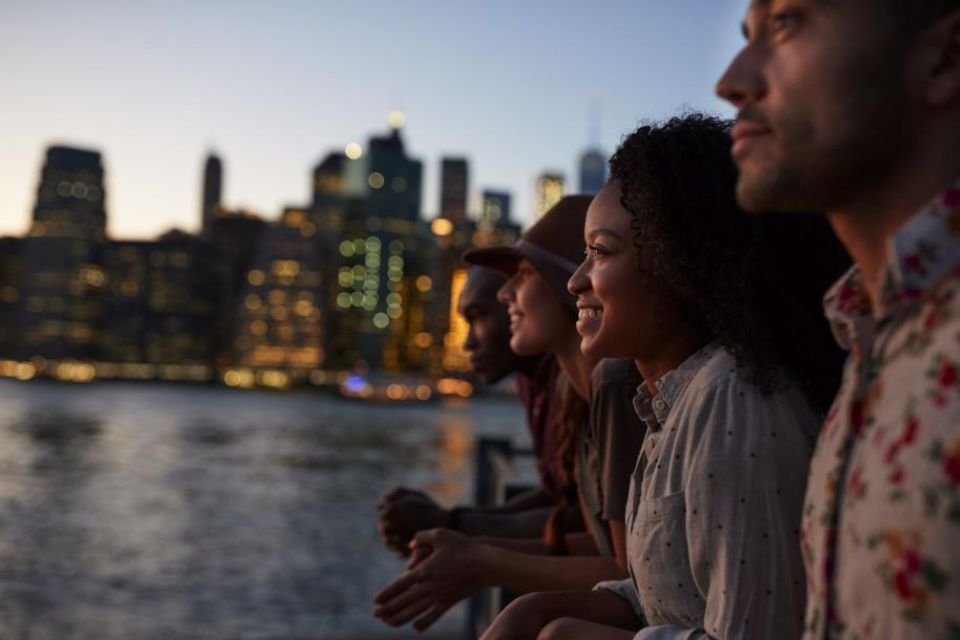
[[553, 246]]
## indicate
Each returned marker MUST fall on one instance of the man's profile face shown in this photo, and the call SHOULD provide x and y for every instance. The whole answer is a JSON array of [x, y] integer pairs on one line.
[[822, 92], [488, 339]]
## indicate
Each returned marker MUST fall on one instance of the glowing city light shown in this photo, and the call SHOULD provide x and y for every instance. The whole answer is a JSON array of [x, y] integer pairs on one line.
[[441, 227], [375, 180], [424, 284], [353, 151], [397, 119]]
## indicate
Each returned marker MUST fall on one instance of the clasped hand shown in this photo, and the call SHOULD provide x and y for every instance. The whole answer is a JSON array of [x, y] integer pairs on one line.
[[444, 568]]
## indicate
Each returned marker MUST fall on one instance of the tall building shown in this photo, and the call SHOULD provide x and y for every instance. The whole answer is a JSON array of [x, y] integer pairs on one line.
[[212, 199], [593, 171], [281, 321], [379, 255], [495, 207], [495, 225], [550, 189], [123, 331], [11, 277], [63, 279], [386, 179], [454, 189], [326, 222]]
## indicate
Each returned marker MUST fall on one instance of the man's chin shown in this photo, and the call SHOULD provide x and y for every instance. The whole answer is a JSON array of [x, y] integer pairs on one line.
[[755, 194]]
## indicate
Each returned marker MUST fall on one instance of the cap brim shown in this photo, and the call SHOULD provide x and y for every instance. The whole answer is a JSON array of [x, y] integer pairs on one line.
[[506, 259], [502, 259]]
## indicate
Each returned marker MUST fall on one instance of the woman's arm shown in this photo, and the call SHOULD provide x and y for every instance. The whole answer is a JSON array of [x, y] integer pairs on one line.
[[449, 567]]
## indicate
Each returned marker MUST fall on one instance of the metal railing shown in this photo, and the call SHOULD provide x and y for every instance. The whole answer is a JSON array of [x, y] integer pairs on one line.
[[496, 482]]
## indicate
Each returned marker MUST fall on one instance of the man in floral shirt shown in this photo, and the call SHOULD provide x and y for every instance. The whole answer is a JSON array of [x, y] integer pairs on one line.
[[852, 107]]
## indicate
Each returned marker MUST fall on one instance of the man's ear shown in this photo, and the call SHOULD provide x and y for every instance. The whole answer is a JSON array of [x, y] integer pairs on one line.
[[941, 45]]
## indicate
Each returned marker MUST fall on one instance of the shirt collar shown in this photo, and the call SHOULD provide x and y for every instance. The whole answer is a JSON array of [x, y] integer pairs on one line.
[[919, 256], [654, 409]]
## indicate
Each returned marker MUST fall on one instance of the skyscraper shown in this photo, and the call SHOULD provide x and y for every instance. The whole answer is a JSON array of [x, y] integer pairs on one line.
[[63, 278], [550, 188], [593, 171], [495, 207], [386, 179], [11, 276], [281, 321], [328, 179], [454, 189], [70, 198], [212, 193], [380, 254]]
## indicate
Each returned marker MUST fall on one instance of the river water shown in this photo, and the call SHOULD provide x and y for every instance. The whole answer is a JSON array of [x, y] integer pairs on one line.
[[134, 511]]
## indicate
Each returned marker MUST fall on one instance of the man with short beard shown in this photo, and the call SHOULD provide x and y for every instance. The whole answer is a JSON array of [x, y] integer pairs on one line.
[[404, 512], [852, 107]]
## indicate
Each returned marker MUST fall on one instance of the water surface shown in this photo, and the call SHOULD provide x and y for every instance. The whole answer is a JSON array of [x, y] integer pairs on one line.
[[150, 511]]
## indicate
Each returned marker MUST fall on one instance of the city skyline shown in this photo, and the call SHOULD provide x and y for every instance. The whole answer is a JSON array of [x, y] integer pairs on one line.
[[273, 89]]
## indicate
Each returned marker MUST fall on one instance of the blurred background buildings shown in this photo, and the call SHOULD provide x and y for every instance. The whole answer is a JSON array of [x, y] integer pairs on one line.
[[354, 281]]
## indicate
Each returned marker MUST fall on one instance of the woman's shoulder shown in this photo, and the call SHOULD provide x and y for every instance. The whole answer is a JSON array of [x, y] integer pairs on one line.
[[722, 388]]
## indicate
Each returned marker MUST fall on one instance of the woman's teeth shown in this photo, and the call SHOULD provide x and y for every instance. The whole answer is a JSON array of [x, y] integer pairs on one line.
[[589, 313]]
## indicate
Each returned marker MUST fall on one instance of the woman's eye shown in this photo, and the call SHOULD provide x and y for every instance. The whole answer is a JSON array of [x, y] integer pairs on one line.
[[595, 250]]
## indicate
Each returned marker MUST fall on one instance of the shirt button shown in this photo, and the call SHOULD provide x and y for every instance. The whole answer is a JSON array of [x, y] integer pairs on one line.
[[658, 403]]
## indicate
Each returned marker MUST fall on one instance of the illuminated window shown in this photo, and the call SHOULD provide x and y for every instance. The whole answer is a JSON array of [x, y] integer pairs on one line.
[[455, 358], [441, 227], [380, 320], [424, 283], [375, 180], [423, 340], [347, 249], [256, 277]]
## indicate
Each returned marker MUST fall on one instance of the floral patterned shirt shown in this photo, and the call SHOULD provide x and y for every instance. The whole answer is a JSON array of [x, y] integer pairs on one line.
[[881, 519]]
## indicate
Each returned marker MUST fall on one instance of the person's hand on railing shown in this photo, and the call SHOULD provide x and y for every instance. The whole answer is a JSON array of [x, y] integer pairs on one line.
[[444, 569], [402, 513]]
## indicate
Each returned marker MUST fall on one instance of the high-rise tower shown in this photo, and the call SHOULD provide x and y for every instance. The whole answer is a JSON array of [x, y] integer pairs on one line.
[[212, 202], [454, 184], [550, 189], [593, 171], [63, 278]]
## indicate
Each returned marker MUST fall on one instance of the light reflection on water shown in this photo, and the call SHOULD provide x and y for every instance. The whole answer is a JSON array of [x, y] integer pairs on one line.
[[144, 511]]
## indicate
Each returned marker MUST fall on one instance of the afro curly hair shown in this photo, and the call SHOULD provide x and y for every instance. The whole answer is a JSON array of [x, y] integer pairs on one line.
[[752, 282]]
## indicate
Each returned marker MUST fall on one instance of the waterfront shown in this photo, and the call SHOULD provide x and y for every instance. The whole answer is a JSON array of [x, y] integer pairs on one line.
[[151, 511]]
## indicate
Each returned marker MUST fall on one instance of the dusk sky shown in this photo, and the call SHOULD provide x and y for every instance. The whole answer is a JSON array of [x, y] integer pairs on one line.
[[275, 86]]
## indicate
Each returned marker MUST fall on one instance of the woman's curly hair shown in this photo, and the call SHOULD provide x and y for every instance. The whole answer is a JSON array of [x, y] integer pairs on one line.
[[752, 282]]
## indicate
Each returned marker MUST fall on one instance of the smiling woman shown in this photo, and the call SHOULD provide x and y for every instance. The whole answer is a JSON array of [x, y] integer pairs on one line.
[[705, 300]]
